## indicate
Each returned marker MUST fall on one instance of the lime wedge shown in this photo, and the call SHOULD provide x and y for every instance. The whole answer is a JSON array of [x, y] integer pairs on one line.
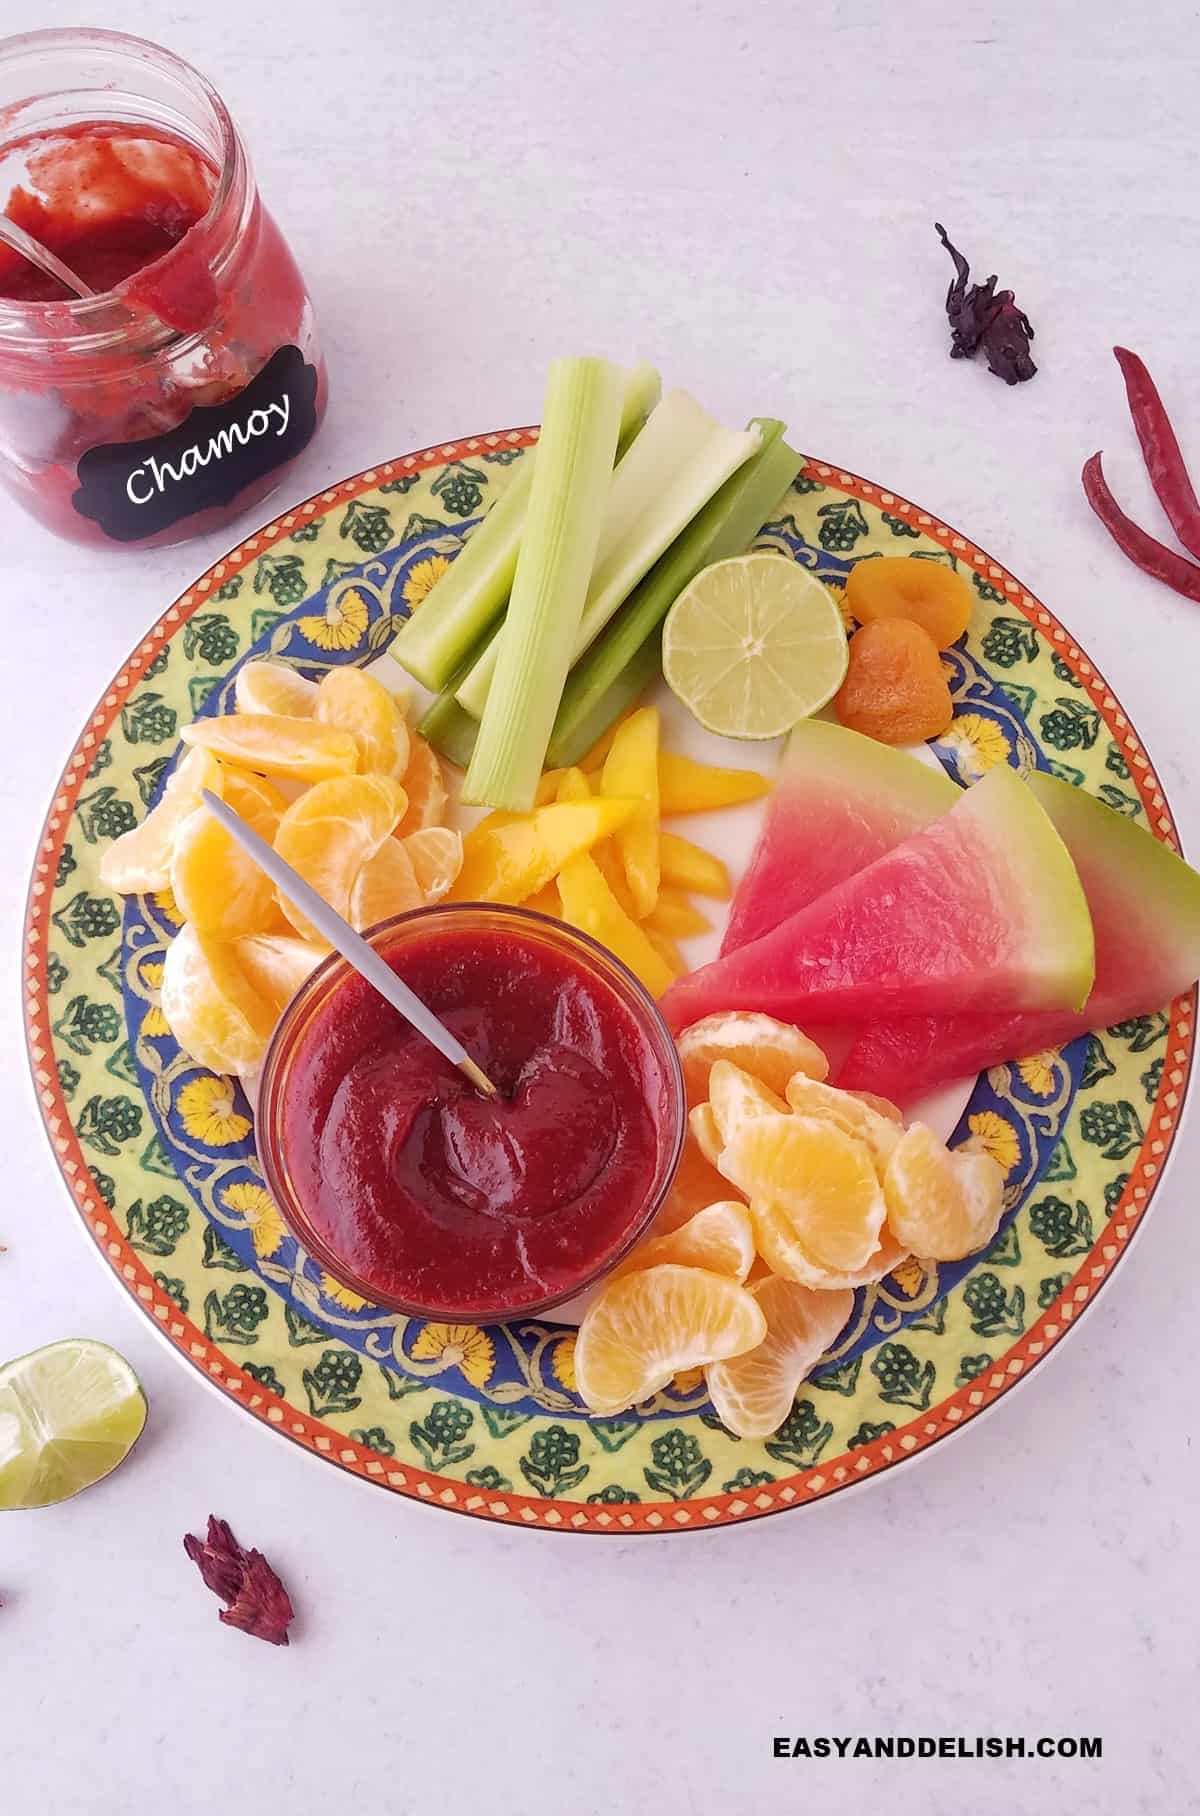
[[69, 1414], [753, 645]]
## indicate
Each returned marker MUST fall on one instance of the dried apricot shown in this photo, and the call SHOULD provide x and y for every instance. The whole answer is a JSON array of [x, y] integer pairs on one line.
[[924, 592], [895, 689]]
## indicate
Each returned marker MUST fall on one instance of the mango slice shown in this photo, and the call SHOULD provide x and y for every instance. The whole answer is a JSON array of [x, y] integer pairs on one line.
[[512, 860], [675, 917], [589, 904], [631, 769], [687, 866], [688, 787]]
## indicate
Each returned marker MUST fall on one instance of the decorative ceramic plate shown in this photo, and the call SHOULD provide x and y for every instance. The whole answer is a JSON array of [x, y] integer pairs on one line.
[[159, 1154]]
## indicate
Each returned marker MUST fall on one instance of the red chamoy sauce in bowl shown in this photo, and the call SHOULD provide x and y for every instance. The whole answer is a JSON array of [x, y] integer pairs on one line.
[[421, 1194]]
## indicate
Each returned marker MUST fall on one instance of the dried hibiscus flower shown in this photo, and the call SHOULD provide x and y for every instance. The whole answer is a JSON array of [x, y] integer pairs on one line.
[[982, 316], [257, 1601]]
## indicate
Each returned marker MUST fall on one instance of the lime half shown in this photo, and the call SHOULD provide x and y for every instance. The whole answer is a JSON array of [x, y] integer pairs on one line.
[[69, 1414], [753, 645]]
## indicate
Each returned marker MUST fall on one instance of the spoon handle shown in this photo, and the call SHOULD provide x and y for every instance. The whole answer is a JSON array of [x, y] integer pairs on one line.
[[356, 951]]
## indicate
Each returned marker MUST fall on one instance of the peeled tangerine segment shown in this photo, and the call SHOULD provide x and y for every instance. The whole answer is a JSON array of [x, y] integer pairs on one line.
[[386, 885], [720, 1238], [696, 1184], [735, 1098], [258, 801], [817, 1181], [139, 862], [810, 1097], [331, 832], [589, 904], [647, 1326], [508, 857], [436, 855], [752, 1394], [273, 687], [210, 1005], [631, 769], [356, 702], [688, 787], [216, 884], [942, 1203], [771, 1051], [425, 786], [276, 964], [705, 1133], [277, 746], [786, 1255]]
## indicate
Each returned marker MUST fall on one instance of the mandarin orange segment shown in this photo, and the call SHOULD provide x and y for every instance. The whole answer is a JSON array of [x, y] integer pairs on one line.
[[425, 786], [752, 1394], [273, 687], [276, 746], [259, 802], [895, 689], [771, 1051], [276, 964], [882, 1106], [696, 1184], [785, 1255], [646, 1327], [819, 1181], [924, 592], [331, 832], [210, 1005], [436, 855], [354, 701], [736, 1097], [217, 886], [705, 1133], [942, 1203], [811, 1097], [386, 885], [720, 1237], [139, 862]]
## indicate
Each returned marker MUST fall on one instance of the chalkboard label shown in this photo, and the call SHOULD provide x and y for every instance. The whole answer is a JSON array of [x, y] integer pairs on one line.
[[133, 489]]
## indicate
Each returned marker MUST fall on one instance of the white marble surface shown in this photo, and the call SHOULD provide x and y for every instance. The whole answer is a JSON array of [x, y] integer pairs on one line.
[[744, 193]]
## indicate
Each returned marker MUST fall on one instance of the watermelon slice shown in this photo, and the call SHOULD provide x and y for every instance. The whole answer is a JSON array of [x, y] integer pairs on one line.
[[840, 801], [982, 910], [1145, 906]]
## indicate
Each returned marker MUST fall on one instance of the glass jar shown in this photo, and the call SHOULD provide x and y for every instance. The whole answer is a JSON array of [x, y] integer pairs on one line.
[[177, 396], [288, 1097]]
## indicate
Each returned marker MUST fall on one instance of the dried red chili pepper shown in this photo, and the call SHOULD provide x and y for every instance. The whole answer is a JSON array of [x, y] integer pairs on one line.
[[1160, 450], [258, 1602], [1153, 557], [982, 316]]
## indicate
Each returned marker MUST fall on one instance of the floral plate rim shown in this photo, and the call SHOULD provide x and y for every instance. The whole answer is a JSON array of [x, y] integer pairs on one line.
[[807, 1485]]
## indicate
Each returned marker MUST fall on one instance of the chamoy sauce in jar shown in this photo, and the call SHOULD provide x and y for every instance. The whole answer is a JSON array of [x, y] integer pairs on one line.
[[175, 397], [423, 1194]]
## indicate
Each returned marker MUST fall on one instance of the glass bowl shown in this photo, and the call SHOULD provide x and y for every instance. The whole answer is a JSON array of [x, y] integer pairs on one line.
[[532, 931]]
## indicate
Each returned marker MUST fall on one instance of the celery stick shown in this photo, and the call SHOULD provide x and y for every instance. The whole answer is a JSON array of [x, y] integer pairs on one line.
[[471, 593], [450, 730], [672, 469], [726, 525], [581, 422], [642, 668]]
